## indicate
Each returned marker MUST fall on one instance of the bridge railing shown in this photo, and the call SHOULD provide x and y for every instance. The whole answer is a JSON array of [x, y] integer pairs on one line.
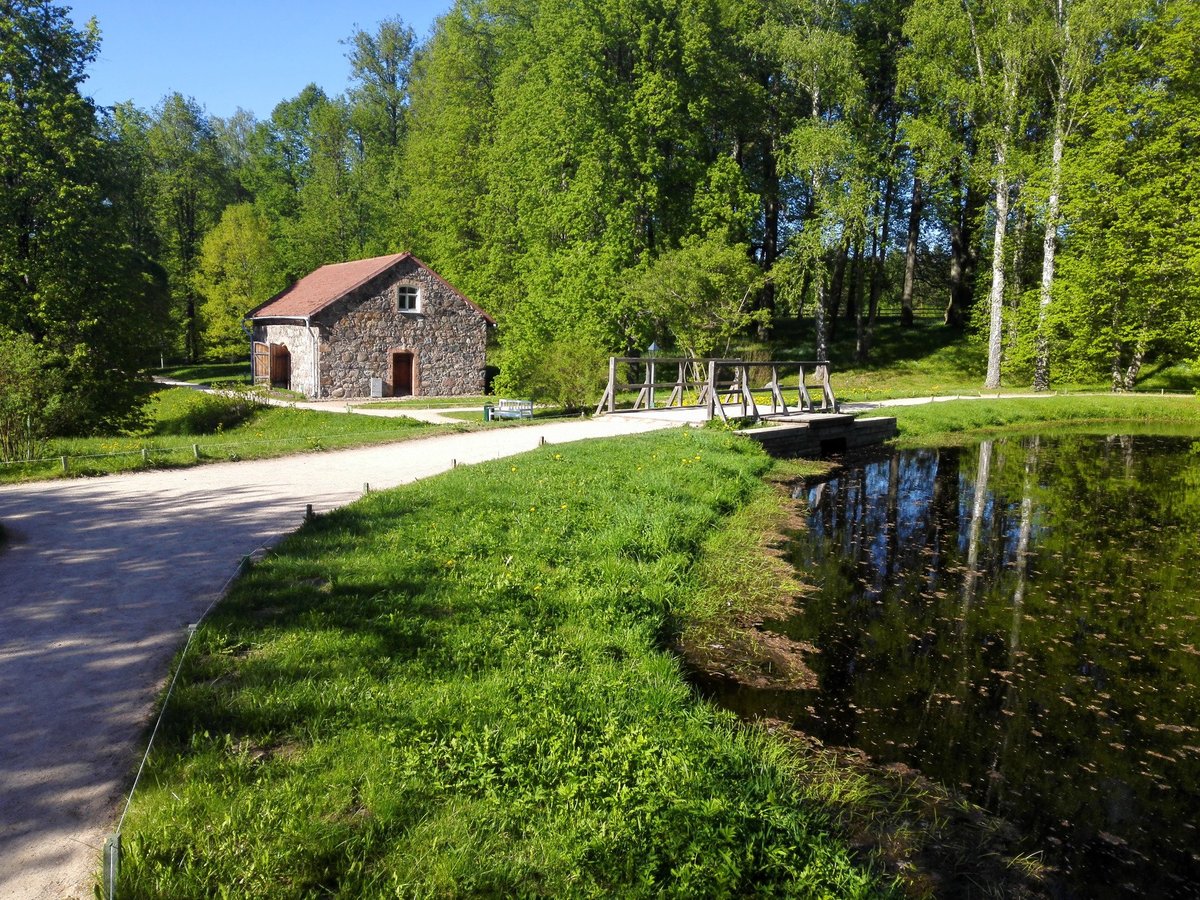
[[725, 388]]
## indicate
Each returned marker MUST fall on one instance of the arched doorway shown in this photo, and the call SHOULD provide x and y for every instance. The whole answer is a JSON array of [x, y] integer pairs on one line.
[[403, 380], [281, 367]]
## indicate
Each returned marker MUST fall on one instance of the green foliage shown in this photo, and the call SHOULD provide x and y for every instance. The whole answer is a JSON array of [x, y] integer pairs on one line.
[[570, 372], [67, 281], [380, 65], [237, 270], [393, 704], [190, 186], [544, 156], [32, 392], [203, 412], [701, 293], [1130, 274]]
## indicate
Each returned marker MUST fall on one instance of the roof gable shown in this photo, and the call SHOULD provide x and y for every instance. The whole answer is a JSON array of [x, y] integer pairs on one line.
[[328, 284]]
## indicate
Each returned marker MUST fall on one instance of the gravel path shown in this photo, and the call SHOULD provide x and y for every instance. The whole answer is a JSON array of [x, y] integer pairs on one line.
[[98, 582]]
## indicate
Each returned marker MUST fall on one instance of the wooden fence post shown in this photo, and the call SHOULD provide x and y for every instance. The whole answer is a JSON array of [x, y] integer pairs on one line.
[[711, 401]]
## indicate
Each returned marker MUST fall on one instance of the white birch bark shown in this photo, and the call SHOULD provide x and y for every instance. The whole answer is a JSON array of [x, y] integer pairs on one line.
[[1041, 368], [996, 296]]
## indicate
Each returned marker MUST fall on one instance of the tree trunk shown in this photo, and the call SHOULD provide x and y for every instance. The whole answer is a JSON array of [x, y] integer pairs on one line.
[[855, 293], [1135, 366], [963, 259], [996, 296], [1041, 365], [1016, 287], [820, 320], [861, 341], [839, 281], [879, 270], [910, 253], [770, 245]]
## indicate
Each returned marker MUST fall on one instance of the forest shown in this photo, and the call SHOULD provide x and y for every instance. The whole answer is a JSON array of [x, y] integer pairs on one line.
[[707, 174]]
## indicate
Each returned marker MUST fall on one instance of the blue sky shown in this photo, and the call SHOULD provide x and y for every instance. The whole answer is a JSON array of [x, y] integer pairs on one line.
[[227, 54]]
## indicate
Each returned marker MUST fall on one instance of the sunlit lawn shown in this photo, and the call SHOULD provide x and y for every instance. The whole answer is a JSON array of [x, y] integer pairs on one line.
[[460, 688], [941, 421], [185, 427], [208, 373]]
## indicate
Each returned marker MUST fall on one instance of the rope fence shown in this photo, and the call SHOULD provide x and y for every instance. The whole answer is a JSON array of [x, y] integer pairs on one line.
[[111, 857]]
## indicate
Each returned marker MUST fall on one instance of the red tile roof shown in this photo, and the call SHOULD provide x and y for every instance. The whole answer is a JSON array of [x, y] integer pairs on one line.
[[328, 284]]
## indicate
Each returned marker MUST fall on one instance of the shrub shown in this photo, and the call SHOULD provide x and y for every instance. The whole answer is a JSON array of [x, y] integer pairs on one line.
[[207, 413], [570, 372], [31, 396]]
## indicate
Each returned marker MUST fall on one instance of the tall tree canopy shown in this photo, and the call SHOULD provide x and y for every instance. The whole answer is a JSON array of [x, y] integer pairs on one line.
[[67, 279], [1026, 166]]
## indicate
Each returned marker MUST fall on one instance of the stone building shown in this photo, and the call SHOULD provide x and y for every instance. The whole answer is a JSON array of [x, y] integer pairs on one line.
[[388, 326]]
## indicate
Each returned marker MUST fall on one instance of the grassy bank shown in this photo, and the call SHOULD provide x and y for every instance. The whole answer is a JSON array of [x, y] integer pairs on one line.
[[208, 373], [956, 420], [396, 704], [930, 359], [185, 427]]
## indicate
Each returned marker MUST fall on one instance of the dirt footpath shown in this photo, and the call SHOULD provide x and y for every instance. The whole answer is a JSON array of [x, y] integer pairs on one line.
[[98, 583]]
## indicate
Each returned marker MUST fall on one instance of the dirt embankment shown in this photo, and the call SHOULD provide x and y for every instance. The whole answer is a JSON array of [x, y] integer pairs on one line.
[[934, 842]]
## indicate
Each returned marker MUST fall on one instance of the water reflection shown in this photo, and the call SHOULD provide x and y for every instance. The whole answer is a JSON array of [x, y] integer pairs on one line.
[[1021, 619]]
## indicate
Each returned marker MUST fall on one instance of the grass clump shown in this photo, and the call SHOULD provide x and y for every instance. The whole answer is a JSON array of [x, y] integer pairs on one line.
[[946, 422], [460, 687], [184, 412]]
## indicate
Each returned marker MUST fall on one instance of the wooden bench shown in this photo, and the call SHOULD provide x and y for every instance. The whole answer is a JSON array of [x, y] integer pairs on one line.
[[513, 409]]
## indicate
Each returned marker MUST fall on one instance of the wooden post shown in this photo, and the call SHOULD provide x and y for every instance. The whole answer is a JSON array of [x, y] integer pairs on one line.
[[680, 384], [64, 463], [749, 407], [612, 384], [712, 389], [196, 450], [805, 399]]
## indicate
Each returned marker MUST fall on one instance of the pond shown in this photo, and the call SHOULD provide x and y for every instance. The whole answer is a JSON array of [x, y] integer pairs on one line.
[[1020, 620]]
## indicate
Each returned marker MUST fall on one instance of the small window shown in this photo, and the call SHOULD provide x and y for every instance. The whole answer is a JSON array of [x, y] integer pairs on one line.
[[408, 298]]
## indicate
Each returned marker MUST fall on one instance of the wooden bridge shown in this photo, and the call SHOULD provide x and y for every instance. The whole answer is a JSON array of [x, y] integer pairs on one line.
[[804, 417], [723, 388]]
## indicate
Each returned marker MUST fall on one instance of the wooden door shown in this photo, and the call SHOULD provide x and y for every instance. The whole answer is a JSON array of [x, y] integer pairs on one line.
[[260, 362], [402, 374], [281, 367]]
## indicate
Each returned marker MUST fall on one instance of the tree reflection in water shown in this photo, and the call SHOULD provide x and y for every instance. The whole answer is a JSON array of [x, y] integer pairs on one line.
[[1019, 620]]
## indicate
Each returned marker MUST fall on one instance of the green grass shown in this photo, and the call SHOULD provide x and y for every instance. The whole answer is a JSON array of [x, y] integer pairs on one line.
[[393, 704], [930, 359], [540, 414], [943, 422], [180, 419], [433, 402], [208, 374]]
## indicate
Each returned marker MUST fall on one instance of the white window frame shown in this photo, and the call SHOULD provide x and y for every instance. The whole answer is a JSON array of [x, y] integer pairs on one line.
[[411, 291]]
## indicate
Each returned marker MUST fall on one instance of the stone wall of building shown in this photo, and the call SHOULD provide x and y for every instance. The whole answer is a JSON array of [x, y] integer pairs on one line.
[[360, 332], [300, 343]]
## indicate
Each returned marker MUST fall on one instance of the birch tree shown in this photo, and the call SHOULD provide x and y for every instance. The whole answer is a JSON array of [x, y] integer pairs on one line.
[[981, 56], [1082, 30], [816, 56]]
